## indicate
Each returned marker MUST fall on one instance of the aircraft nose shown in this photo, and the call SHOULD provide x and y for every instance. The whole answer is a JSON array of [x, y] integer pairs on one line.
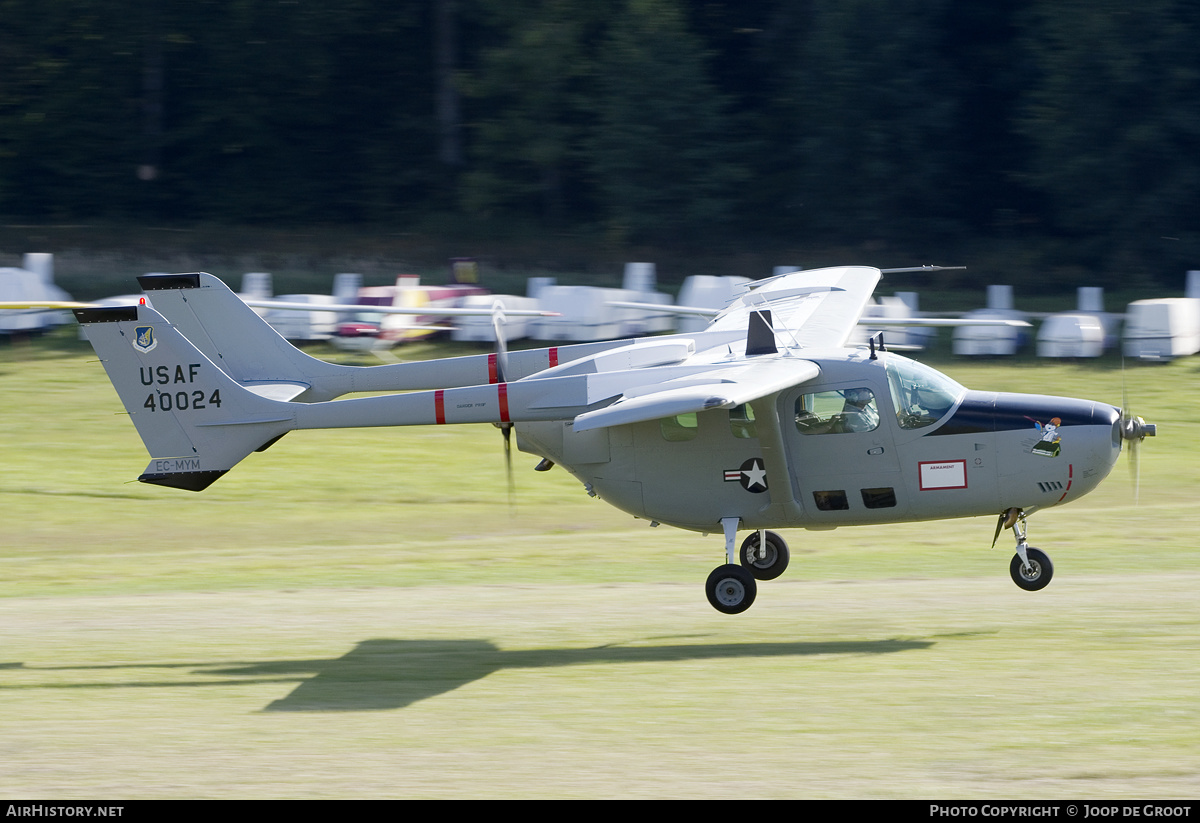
[[1086, 434]]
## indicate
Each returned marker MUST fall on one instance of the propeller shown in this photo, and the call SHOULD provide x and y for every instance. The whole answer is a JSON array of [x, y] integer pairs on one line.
[[1135, 430], [498, 322]]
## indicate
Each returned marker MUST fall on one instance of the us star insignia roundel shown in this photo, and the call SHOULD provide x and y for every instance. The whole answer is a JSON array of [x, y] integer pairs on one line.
[[752, 475]]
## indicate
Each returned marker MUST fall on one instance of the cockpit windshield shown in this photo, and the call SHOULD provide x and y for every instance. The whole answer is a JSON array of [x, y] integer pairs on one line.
[[922, 396]]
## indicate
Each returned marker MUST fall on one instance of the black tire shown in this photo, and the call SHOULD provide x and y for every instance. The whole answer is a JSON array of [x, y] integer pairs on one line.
[[771, 566], [731, 589], [1037, 576]]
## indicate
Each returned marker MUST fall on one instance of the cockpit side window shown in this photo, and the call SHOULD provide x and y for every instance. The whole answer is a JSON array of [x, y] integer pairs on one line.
[[922, 396], [837, 412]]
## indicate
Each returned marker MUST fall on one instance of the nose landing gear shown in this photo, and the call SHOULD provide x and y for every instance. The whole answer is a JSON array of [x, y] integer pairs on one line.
[[1030, 568], [1033, 571]]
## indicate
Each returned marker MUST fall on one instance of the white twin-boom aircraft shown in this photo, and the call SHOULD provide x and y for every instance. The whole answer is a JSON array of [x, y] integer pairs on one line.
[[768, 419]]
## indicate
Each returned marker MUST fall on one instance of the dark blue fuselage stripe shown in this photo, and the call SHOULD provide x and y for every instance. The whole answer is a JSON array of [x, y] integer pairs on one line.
[[1009, 412]]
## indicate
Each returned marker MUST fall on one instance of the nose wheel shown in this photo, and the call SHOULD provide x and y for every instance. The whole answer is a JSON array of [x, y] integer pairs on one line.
[[1033, 571], [1030, 568]]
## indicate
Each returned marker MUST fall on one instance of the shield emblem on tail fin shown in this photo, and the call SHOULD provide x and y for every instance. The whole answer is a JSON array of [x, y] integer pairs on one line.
[[144, 339]]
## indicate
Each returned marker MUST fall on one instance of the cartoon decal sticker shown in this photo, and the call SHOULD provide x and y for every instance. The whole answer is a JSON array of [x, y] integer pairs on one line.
[[752, 475], [144, 339], [1050, 445]]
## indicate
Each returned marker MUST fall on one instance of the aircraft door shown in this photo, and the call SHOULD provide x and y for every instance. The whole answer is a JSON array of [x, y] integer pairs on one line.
[[841, 453]]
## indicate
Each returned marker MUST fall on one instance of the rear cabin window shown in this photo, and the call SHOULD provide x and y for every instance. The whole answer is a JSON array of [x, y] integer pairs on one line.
[[679, 428], [741, 422]]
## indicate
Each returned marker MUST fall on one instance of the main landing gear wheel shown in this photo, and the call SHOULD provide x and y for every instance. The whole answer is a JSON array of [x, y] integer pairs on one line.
[[731, 589], [769, 564], [1036, 575]]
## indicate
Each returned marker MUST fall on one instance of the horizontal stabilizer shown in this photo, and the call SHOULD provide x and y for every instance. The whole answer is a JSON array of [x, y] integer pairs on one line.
[[426, 310]]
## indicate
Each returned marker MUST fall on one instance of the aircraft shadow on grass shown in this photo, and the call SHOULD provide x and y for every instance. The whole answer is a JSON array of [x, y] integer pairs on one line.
[[392, 674]]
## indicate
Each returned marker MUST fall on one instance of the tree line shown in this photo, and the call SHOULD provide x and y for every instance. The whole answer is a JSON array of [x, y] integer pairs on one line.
[[1074, 124]]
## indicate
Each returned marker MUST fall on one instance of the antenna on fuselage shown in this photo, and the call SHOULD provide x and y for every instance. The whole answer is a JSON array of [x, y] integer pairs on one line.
[[879, 335]]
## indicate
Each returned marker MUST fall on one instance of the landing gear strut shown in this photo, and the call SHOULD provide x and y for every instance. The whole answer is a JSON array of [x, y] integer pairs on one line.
[[764, 556], [1030, 568]]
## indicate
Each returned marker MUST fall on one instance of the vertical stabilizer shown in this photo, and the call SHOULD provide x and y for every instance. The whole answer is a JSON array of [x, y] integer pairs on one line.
[[196, 421]]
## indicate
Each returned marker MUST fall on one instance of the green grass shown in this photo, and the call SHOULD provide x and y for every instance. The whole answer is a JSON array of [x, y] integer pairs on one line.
[[363, 614]]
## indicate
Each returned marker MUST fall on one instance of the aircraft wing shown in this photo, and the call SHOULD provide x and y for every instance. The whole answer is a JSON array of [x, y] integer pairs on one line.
[[818, 308], [721, 387]]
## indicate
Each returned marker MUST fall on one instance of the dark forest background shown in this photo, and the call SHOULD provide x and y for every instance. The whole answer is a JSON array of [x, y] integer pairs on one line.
[[1064, 134]]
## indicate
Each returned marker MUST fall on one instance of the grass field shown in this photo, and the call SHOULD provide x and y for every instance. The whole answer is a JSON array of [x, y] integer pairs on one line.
[[365, 614]]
